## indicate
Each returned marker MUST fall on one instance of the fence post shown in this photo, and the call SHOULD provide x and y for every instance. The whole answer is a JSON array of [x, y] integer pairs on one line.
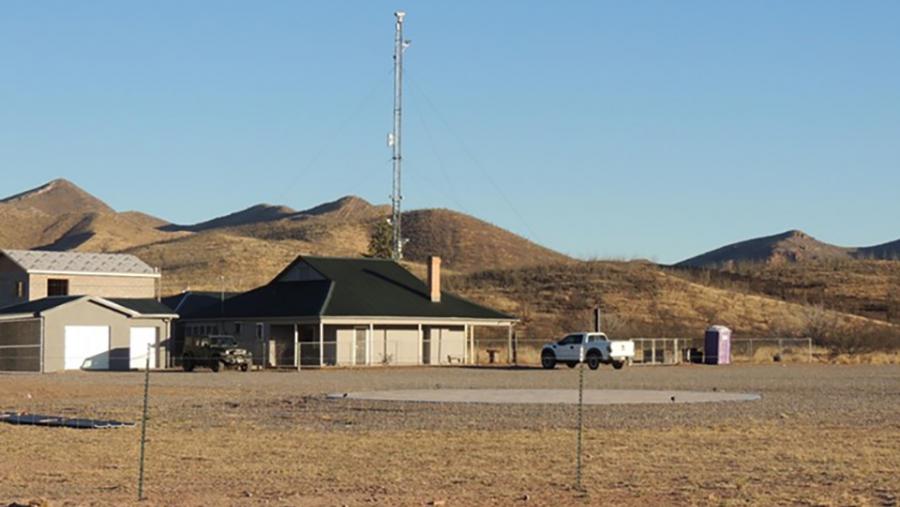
[[809, 348], [578, 447], [144, 424]]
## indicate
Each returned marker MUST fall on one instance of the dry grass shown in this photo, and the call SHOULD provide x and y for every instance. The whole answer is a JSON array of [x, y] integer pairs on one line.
[[638, 299], [259, 439], [867, 288]]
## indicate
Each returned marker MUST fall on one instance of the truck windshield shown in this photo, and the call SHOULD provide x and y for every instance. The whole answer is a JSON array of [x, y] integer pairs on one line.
[[223, 341]]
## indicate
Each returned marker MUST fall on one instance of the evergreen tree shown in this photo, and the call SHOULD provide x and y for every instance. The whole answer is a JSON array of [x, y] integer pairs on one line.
[[380, 241]]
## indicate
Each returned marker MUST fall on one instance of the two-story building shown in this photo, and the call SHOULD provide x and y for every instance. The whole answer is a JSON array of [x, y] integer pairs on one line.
[[74, 311], [28, 275]]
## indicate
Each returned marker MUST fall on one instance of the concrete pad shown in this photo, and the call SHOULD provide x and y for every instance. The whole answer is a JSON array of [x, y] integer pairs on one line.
[[547, 396]]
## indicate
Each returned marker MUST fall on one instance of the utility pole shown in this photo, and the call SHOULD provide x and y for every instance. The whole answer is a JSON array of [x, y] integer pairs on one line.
[[394, 138]]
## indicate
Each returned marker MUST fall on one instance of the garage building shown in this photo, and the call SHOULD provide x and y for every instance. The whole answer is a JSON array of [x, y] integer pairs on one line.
[[84, 332]]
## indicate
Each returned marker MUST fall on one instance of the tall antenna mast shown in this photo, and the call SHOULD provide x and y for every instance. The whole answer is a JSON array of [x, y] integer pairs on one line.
[[394, 138]]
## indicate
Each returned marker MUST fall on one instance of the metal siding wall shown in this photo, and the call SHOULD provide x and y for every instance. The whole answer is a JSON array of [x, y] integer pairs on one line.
[[10, 273], [20, 345]]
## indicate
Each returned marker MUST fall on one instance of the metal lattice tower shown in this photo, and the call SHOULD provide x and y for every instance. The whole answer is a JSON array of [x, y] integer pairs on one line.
[[394, 139]]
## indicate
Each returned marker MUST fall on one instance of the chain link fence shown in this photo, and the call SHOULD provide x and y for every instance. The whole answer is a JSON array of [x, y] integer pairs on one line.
[[654, 351]]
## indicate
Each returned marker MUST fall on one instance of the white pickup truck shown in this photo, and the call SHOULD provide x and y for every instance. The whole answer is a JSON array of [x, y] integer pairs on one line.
[[592, 348]]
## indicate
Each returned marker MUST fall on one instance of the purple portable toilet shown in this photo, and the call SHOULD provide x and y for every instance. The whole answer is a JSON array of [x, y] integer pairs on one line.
[[717, 345]]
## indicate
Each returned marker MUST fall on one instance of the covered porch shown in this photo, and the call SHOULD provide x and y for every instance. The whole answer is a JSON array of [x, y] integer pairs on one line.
[[344, 341]]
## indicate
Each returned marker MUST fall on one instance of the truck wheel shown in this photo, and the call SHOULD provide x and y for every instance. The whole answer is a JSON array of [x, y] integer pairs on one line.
[[618, 364], [571, 364], [593, 360], [245, 367], [548, 360], [187, 363], [215, 365]]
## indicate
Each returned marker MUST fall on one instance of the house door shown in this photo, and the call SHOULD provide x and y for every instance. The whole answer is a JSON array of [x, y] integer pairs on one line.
[[361, 344]]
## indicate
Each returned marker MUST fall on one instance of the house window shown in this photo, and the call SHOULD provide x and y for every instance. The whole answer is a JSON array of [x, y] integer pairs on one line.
[[20, 289], [57, 287]]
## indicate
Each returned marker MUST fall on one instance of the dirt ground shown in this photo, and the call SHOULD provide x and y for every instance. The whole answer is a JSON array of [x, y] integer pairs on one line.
[[820, 435]]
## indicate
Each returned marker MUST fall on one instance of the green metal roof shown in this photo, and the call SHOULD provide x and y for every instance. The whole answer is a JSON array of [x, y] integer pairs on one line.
[[375, 287], [350, 287], [37, 306], [140, 306]]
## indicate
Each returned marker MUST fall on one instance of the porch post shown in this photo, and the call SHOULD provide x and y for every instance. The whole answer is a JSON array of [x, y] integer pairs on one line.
[[321, 344], [420, 345], [296, 347], [370, 341], [509, 350], [474, 347], [466, 349]]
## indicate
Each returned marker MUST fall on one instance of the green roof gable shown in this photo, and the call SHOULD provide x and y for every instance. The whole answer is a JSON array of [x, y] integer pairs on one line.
[[345, 287]]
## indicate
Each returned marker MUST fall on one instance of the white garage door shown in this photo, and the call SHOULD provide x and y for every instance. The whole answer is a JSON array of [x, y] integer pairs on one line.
[[141, 339], [87, 347]]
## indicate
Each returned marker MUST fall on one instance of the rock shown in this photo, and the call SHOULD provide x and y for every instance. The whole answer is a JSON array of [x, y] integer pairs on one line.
[[39, 502], [437, 503]]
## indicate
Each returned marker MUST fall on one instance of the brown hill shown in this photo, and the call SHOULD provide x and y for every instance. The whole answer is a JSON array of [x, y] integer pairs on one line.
[[469, 244], [58, 197], [103, 232], [639, 299], [885, 251], [344, 227], [22, 228], [345, 207], [787, 247], [790, 246], [870, 288], [62, 216], [252, 215], [198, 261], [143, 219]]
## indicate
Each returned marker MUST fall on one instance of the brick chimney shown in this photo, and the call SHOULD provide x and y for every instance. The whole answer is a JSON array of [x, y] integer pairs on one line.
[[434, 278]]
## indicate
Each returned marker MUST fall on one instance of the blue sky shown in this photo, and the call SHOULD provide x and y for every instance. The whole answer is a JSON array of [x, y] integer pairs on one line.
[[627, 129]]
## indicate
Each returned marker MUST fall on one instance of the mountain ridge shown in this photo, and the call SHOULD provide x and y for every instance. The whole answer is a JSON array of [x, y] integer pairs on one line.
[[61, 216], [787, 247]]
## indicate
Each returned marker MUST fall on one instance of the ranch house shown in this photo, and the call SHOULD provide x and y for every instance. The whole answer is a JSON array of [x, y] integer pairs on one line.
[[322, 311]]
